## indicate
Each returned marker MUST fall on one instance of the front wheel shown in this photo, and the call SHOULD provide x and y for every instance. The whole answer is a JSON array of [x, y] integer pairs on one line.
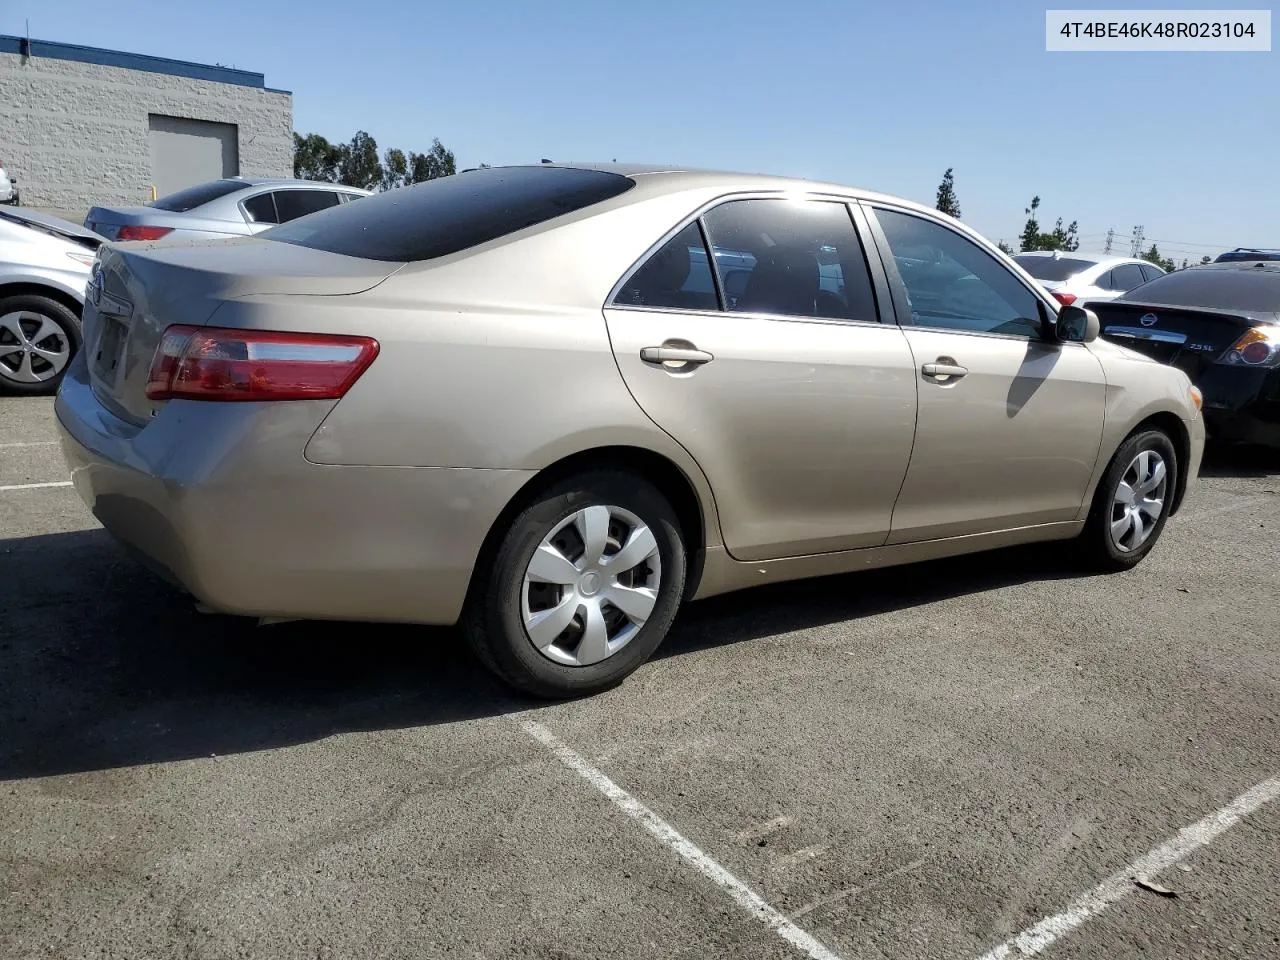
[[38, 338], [1132, 502], [584, 586]]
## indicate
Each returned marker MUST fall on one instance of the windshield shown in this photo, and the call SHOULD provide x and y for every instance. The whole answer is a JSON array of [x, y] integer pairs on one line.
[[449, 214], [198, 196], [1053, 268]]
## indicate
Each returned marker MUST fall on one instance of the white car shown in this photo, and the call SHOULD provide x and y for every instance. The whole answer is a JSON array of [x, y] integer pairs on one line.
[[1072, 276], [8, 188]]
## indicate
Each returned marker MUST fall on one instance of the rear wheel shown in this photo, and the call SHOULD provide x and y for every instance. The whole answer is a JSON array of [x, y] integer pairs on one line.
[[38, 338], [584, 586], [1132, 502]]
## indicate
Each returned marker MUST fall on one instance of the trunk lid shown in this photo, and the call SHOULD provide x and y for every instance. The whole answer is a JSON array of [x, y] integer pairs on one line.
[[137, 290], [107, 221], [1189, 338]]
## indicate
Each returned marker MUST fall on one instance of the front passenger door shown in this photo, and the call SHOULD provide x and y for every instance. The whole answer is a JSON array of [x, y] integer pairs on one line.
[[1009, 423]]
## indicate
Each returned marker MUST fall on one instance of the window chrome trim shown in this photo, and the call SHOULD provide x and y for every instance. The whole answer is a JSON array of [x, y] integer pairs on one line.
[[730, 314], [1015, 337]]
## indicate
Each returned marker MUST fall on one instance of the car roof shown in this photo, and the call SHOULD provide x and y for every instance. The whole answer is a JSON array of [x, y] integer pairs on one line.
[[1271, 266], [671, 178]]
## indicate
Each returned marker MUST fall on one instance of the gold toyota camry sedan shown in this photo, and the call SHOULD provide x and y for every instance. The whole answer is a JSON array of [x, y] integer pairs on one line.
[[550, 403]]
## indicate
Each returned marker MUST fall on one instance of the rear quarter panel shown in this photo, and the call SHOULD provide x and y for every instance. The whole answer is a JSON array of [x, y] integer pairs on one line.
[[496, 359]]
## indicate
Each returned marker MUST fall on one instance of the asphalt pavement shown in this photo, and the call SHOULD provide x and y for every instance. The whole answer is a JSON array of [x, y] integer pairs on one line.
[[923, 762]]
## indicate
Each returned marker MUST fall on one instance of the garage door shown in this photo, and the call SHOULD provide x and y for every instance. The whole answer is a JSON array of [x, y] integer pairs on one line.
[[187, 152]]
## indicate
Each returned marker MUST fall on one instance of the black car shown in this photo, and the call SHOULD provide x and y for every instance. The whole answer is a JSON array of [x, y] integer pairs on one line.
[[1243, 254], [1220, 324]]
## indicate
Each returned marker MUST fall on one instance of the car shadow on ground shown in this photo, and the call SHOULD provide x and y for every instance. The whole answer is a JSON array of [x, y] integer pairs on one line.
[[102, 665], [1229, 460]]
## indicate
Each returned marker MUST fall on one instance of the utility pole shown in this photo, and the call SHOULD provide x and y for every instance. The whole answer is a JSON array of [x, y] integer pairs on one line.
[[1136, 246], [1111, 235]]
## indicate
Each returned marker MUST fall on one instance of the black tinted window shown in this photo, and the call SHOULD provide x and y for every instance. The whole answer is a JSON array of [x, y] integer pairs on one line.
[[1052, 268], [196, 196], [292, 204], [678, 275], [1104, 282], [443, 216], [1151, 271], [953, 283], [261, 209], [1251, 289], [1126, 277], [791, 258]]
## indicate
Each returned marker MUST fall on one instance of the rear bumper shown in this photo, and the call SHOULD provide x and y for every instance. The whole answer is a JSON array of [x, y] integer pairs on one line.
[[1242, 406], [219, 499]]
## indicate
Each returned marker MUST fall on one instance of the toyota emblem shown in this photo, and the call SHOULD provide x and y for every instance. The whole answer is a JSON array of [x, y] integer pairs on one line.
[[1148, 319]]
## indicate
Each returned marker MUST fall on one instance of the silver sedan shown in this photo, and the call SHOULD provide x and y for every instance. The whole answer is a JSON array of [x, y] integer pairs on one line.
[[236, 206]]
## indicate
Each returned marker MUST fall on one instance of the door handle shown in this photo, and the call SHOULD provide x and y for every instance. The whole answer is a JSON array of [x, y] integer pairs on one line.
[[667, 354], [944, 367]]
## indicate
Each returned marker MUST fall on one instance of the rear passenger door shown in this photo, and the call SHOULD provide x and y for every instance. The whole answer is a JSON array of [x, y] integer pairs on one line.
[[1126, 276], [769, 364]]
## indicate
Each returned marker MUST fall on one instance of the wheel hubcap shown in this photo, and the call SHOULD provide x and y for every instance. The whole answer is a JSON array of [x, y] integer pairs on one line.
[[590, 585], [1138, 501], [33, 348]]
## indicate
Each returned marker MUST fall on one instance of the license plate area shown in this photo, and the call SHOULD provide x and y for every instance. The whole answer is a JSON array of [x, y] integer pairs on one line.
[[110, 349]]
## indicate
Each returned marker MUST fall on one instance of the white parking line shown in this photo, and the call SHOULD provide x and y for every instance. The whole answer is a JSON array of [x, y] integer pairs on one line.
[[664, 833], [29, 443], [35, 486], [1036, 939]]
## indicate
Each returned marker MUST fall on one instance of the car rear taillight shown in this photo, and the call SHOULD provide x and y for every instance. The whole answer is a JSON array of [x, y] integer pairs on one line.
[[197, 363], [132, 231], [1258, 347], [1066, 299]]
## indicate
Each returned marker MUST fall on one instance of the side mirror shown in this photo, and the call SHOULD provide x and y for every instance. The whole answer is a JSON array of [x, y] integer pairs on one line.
[[1076, 324]]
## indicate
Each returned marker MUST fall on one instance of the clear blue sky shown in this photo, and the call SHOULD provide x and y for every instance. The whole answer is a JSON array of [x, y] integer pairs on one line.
[[880, 95]]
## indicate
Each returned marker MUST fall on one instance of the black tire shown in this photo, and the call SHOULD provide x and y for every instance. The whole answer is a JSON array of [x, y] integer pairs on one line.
[[493, 622], [1097, 544], [66, 321]]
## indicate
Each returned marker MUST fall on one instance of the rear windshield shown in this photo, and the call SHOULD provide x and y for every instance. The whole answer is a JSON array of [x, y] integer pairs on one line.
[[197, 196], [444, 216], [1051, 268], [1249, 289]]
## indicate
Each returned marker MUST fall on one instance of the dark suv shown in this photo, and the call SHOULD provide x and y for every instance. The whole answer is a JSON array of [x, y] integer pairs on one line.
[[1242, 254]]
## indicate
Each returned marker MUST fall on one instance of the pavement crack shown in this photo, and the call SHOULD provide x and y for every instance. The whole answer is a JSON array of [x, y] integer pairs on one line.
[[848, 892]]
